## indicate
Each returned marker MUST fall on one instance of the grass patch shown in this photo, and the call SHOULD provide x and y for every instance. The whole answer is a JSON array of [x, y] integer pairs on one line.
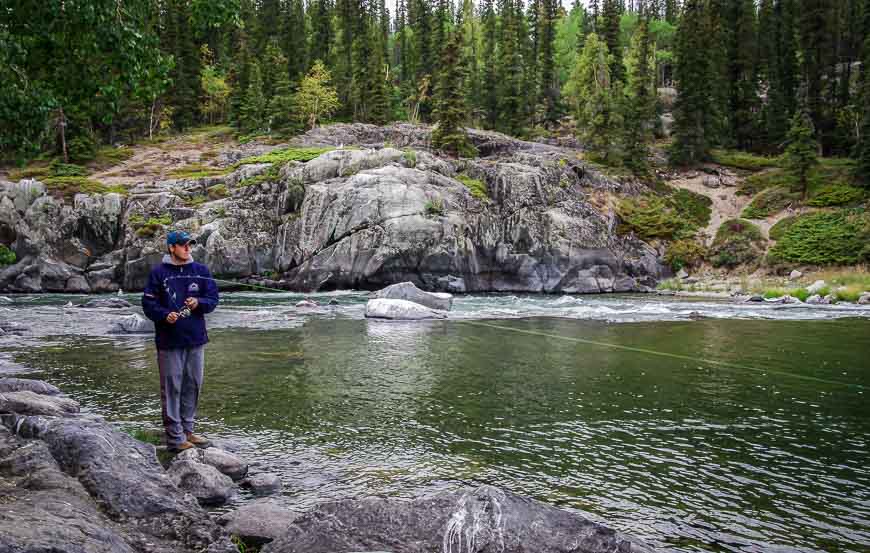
[[149, 228], [152, 437], [269, 175], [825, 238], [743, 160], [676, 215], [829, 172], [285, 155], [108, 156], [738, 242], [32, 172], [477, 187], [197, 171], [68, 187], [434, 207], [770, 201], [836, 194], [410, 157], [7, 256]]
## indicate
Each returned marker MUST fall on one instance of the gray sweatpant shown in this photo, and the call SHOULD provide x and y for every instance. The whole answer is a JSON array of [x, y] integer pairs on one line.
[[180, 382]]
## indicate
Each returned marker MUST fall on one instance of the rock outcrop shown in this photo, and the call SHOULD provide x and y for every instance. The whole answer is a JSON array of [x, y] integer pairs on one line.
[[402, 310], [524, 217], [74, 484], [407, 291]]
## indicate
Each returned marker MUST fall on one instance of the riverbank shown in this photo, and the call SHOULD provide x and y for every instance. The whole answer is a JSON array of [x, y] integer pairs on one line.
[[99, 489]]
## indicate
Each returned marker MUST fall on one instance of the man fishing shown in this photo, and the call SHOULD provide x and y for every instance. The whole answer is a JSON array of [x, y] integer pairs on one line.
[[178, 295]]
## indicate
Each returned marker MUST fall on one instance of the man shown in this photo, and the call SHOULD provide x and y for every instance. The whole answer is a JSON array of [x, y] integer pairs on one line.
[[178, 295]]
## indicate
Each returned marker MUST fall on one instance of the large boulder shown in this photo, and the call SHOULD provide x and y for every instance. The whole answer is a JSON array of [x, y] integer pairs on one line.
[[10, 384], [401, 310], [864, 299], [407, 291], [483, 520], [132, 324]]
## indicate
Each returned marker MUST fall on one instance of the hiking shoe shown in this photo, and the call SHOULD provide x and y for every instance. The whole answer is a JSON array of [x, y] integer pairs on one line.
[[178, 448], [198, 441]]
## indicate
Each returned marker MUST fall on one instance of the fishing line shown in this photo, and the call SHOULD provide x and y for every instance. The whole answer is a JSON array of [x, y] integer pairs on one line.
[[724, 364]]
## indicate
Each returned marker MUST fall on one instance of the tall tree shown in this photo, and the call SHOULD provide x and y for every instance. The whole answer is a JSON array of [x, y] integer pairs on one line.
[[784, 74], [451, 112], [548, 96], [489, 61], [691, 117], [316, 97], [511, 118], [816, 49], [295, 45], [862, 149], [743, 72], [611, 34], [184, 92], [801, 155], [322, 37], [640, 99]]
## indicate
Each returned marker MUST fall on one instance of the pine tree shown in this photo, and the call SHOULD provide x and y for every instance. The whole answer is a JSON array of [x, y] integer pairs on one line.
[[743, 77], [184, 92], [378, 96], [450, 115], [640, 99], [862, 149], [610, 34], [594, 96], [295, 46], [715, 40], [816, 47], [490, 75], [253, 109], [548, 96], [801, 155], [672, 11], [692, 71], [511, 118], [782, 94], [321, 30]]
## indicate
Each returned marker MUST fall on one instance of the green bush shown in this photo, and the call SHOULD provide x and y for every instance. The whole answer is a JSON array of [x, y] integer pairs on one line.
[[778, 230], [836, 194], [770, 201], [676, 215], [738, 242], [153, 225], [477, 187], [685, 253], [823, 238], [7, 256], [269, 175], [285, 155], [743, 160], [60, 169], [830, 172]]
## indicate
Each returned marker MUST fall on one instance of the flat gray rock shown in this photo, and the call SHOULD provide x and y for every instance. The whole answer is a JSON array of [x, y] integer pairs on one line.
[[408, 291], [32, 403], [132, 324], [482, 520], [225, 462], [403, 310], [27, 385], [260, 521], [202, 481], [263, 483]]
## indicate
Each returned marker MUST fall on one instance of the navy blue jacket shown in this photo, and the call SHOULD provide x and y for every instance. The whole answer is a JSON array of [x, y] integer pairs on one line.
[[168, 286]]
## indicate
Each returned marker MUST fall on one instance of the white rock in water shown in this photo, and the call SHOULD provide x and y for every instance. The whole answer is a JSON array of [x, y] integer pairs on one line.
[[5, 300], [816, 286], [864, 299], [132, 324], [401, 310], [794, 275], [408, 291]]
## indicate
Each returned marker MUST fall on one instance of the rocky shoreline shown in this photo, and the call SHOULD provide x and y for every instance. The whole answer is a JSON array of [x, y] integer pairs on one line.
[[376, 207], [73, 483]]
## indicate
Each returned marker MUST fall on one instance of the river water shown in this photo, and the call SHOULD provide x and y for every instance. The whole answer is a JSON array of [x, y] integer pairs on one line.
[[693, 425]]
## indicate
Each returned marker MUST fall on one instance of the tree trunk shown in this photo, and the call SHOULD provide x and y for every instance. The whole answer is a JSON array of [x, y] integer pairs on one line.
[[61, 123]]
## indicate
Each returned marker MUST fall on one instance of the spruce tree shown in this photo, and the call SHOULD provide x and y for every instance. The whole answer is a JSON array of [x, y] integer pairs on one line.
[[320, 12], [253, 109], [184, 91], [295, 45], [801, 155], [715, 40], [692, 71], [511, 118], [640, 99], [378, 96], [782, 91], [490, 75], [815, 37], [595, 101], [450, 115], [548, 96], [862, 149], [610, 33], [743, 76]]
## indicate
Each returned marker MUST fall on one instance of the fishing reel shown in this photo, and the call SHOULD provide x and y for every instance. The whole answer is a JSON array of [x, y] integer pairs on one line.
[[184, 313]]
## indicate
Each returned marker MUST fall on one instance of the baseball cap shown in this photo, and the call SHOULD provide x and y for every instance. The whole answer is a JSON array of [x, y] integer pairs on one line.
[[179, 237]]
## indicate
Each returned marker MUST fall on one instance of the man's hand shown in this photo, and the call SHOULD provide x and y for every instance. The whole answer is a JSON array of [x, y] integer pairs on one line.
[[172, 317], [191, 303]]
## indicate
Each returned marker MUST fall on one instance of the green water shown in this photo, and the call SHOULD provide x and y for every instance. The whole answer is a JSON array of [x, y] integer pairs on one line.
[[745, 436]]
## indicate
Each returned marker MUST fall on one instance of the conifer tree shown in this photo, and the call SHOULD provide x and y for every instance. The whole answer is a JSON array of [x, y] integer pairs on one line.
[[692, 71], [490, 75], [595, 100], [253, 109], [511, 118], [184, 91], [549, 84], [320, 12], [610, 33], [640, 99], [815, 38], [801, 155], [743, 77], [378, 96], [862, 149], [450, 114], [782, 92], [715, 40], [295, 46]]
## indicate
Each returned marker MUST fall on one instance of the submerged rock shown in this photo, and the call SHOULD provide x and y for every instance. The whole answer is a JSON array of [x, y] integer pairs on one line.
[[482, 520], [307, 303], [407, 291], [263, 483], [112, 303], [401, 310], [10, 384], [816, 286], [204, 482], [795, 274]]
